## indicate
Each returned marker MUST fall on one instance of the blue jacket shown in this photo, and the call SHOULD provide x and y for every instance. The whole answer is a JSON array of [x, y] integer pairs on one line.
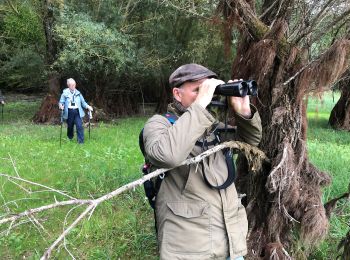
[[79, 100]]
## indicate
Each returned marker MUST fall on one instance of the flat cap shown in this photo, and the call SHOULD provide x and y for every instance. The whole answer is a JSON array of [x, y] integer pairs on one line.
[[189, 72]]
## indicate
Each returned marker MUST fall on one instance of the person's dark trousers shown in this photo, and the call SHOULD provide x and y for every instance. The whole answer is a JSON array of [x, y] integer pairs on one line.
[[75, 119]]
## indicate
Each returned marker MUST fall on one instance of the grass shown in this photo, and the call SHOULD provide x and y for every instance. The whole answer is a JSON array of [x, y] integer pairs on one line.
[[121, 228], [329, 150]]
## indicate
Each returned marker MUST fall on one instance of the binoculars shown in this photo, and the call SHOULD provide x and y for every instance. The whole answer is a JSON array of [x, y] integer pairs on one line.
[[238, 88]]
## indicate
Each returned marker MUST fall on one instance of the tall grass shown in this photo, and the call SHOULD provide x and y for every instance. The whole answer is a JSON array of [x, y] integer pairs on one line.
[[329, 150], [122, 228]]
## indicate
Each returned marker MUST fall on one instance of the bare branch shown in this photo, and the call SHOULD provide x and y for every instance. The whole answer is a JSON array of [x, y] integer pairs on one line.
[[64, 224], [268, 9], [92, 204], [317, 21], [278, 12], [346, 22], [20, 186], [297, 73], [15, 202], [43, 208], [288, 215], [14, 165], [48, 252], [340, 19], [7, 232], [36, 184], [37, 225], [273, 185], [322, 11]]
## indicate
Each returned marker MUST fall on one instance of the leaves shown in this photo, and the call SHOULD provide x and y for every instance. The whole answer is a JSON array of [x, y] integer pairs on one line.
[[91, 47]]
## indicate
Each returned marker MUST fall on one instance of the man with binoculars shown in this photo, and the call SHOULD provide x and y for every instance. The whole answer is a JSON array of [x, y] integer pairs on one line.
[[198, 212]]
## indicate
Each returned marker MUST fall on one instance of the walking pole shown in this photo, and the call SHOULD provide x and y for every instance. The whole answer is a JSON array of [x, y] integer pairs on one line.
[[90, 117], [61, 127], [2, 112]]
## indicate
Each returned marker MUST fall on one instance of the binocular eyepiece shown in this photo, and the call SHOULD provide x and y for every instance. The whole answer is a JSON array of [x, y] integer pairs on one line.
[[238, 88]]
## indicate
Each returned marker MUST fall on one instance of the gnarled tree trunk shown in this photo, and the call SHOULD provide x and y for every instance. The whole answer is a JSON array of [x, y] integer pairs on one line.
[[340, 115], [48, 111], [286, 196]]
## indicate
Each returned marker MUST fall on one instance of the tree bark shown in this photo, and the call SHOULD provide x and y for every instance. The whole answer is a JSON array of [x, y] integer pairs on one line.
[[340, 115], [48, 111], [285, 197]]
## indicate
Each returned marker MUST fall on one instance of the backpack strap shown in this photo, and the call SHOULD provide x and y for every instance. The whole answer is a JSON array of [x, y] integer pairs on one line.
[[228, 157], [141, 144], [171, 117]]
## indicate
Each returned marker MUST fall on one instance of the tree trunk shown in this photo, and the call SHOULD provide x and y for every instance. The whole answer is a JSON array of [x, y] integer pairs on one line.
[[164, 97], [340, 115], [286, 195], [48, 111]]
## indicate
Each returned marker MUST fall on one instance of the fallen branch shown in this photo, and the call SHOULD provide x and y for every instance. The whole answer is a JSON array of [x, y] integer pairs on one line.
[[43, 208], [34, 183], [250, 151]]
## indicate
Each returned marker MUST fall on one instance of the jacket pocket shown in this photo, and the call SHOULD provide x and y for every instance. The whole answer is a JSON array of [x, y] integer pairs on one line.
[[238, 232], [187, 227]]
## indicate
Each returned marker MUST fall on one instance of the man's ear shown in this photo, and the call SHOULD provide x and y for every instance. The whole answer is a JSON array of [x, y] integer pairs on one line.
[[177, 94]]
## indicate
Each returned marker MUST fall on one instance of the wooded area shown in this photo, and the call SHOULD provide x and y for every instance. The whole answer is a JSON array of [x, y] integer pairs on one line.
[[121, 53]]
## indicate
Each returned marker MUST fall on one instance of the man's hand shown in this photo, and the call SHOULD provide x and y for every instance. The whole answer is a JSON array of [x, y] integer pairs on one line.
[[2, 102], [60, 106], [241, 105], [206, 91], [90, 108]]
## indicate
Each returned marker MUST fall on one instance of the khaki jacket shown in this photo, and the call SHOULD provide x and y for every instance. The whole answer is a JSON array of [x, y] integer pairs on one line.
[[193, 220]]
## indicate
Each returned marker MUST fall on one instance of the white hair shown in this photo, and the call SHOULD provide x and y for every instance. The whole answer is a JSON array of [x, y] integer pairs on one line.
[[70, 80]]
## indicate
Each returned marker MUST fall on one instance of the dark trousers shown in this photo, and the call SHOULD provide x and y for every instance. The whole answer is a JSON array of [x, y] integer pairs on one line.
[[75, 119]]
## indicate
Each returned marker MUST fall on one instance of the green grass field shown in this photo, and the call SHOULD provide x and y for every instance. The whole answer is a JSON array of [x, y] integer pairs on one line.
[[329, 150], [121, 228]]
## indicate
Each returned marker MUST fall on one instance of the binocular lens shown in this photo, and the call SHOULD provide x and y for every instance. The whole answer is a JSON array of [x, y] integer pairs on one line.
[[238, 89], [252, 88]]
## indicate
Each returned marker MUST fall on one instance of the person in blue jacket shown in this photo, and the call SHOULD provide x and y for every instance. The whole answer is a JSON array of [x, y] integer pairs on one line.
[[73, 104]]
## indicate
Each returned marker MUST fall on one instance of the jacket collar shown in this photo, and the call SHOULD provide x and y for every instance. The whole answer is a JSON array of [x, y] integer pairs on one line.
[[66, 91], [176, 108]]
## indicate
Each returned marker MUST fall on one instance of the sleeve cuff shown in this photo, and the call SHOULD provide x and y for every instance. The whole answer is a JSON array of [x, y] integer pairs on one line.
[[198, 108], [254, 113]]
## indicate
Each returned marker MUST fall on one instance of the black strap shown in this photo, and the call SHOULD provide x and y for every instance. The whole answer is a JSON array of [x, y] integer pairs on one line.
[[141, 144], [230, 174], [206, 143]]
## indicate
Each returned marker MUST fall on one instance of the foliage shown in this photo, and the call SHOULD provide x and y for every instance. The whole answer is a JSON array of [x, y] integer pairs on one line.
[[24, 26], [25, 69], [111, 46], [22, 47], [90, 48]]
